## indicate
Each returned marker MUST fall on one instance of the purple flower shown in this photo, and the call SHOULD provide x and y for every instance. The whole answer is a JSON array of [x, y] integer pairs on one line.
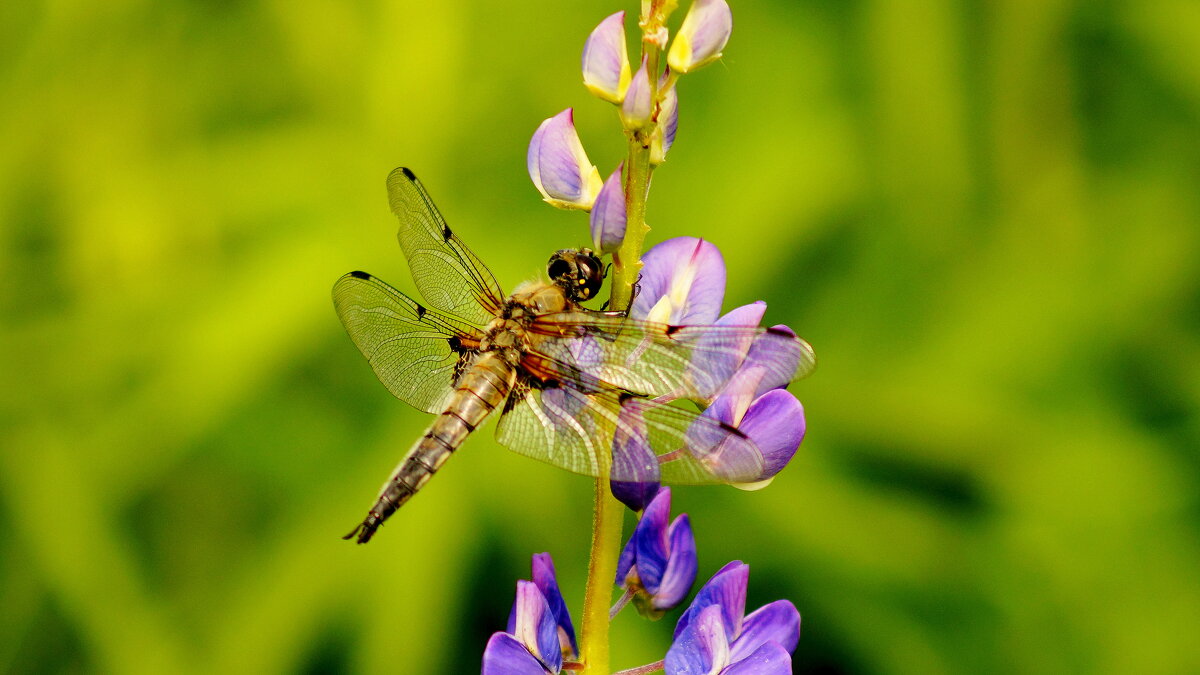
[[658, 563], [714, 637], [559, 167], [539, 633], [605, 60], [683, 282], [741, 373], [608, 215], [703, 34], [637, 110]]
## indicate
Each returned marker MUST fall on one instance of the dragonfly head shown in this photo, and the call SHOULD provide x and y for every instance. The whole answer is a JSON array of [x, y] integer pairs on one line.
[[578, 271]]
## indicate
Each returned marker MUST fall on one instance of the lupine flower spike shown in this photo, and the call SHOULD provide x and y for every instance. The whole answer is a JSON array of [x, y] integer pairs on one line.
[[559, 167], [606, 61], [704, 33], [715, 637], [658, 566], [608, 215]]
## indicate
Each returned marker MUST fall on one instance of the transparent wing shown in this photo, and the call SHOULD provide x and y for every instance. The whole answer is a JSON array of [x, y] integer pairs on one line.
[[449, 276], [661, 360], [629, 439], [415, 352]]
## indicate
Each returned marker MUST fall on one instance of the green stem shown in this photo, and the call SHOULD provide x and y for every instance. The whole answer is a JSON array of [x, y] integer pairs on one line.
[[607, 519], [627, 264]]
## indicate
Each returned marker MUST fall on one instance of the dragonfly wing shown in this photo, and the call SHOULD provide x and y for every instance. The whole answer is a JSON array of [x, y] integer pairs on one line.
[[416, 352], [661, 360], [449, 276], [626, 438]]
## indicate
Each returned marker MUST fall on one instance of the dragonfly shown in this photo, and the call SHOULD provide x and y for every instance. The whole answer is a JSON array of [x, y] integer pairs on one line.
[[593, 392]]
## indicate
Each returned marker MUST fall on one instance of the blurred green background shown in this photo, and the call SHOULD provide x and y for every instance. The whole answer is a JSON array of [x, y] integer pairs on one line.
[[984, 215]]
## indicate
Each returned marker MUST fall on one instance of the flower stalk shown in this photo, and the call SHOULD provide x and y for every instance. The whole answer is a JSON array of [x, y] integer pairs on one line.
[[607, 519], [627, 263], [608, 513]]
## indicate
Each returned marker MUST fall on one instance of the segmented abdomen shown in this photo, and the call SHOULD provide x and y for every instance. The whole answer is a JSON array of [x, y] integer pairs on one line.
[[481, 390]]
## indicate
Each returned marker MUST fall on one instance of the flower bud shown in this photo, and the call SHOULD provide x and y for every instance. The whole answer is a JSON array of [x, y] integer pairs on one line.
[[658, 564], [606, 61], [664, 130], [608, 215], [637, 109], [559, 167], [703, 35]]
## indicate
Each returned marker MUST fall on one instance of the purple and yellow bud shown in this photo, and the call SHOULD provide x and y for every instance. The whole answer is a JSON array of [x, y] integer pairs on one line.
[[606, 61], [559, 167], [637, 110], [704, 33], [608, 215], [664, 129]]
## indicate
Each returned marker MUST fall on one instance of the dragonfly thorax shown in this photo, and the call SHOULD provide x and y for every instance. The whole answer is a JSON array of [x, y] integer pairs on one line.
[[508, 332]]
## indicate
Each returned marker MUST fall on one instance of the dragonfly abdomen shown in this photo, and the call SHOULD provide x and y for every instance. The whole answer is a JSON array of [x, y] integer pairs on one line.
[[481, 390]]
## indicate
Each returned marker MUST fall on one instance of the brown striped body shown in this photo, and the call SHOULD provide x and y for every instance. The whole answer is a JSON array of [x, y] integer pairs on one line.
[[481, 390]]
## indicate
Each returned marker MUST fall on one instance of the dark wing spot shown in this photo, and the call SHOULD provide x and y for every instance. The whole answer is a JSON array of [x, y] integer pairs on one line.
[[360, 275], [408, 173], [671, 330], [420, 310], [446, 233], [544, 384], [733, 430], [783, 332]]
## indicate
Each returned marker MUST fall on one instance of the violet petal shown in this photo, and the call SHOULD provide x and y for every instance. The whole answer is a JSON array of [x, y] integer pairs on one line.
[[558, 165], [777, 622], [606, 60], [625, 562], [505, 655], [702, 647], [635, 468], [683, 282], [776, 424], [781, 354], [724, 352], [680, 573], [535, 625], [607, 218], [732, 457], [668, 123], [545, 578], [634, 494], [727, 589], [769, 659], [637, 109], [651, 537], [703, 34]]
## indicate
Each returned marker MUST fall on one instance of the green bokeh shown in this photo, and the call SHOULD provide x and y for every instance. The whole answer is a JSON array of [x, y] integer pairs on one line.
[[984, 216]]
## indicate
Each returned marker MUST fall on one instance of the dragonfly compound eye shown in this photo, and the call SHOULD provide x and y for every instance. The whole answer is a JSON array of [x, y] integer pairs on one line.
[[580, 272]]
